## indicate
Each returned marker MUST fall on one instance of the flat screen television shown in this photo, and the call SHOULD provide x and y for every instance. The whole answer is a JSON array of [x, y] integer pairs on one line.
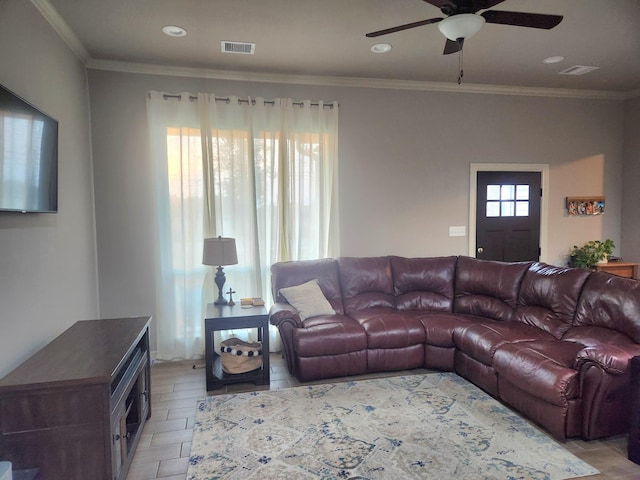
[[28, 157]]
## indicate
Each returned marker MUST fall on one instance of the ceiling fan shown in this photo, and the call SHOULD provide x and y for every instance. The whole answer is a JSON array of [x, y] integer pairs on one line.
[[462, 20]]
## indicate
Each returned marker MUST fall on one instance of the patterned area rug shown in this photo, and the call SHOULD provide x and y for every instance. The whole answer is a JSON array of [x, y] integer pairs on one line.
[[433, 426]]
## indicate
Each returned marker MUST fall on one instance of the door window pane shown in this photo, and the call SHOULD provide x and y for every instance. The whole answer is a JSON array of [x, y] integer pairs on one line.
[[522, 209], [493, 209], [522, 192], [493, 192], [507, 192], [507, 209]]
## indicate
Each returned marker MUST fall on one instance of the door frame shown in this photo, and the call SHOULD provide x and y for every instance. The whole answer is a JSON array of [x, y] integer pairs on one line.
[[543, 168]]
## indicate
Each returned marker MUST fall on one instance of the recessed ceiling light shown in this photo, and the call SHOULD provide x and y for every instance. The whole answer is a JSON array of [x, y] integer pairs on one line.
[[556, 59], [174, 31], [381, 48]]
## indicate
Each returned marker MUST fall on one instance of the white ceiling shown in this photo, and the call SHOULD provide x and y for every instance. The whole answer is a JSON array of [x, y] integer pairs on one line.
[[326, 38]]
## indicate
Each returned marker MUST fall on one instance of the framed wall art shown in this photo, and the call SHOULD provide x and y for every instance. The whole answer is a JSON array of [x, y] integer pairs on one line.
[[585, 205]]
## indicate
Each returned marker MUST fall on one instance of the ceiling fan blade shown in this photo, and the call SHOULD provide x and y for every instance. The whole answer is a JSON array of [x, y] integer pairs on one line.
[[520, 19], [458, 6], [403, 27], [484, 4], [439, 3], [452, 46]]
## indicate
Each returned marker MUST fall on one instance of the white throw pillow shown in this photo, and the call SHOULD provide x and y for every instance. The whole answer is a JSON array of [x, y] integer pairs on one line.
[[308, 299]]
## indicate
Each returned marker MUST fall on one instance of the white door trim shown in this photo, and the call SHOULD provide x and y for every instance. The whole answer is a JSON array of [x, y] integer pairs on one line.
[[543, 168]]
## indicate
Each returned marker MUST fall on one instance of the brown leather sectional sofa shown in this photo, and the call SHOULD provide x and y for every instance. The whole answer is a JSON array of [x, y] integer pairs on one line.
[[553, 343]]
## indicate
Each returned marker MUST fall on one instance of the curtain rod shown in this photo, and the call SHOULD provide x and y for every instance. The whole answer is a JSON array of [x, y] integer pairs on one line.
[[243, 100]]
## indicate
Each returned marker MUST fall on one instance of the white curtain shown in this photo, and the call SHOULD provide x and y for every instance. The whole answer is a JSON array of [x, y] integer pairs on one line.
[[262, 172]]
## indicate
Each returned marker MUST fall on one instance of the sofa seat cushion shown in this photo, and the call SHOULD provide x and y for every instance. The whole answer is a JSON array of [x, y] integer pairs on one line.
[[482, 338], [439, 327], [389, 328], [329, 335], [542, 368]]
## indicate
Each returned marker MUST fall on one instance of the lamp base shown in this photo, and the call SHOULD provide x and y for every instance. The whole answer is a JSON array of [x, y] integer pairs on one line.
[[220, 279]]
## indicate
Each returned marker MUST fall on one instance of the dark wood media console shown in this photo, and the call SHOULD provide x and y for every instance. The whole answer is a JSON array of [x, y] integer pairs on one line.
[[75, 410]]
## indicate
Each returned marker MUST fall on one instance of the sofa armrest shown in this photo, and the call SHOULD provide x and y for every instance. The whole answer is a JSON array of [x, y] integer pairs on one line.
[[281, 312], [612, 359]]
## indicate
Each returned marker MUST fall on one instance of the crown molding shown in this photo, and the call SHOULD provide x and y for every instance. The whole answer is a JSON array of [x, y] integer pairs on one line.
[[154, 69], [52, 16]]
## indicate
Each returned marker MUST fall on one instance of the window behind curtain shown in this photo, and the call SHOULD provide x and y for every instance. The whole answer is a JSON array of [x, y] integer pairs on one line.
[[271, 188]]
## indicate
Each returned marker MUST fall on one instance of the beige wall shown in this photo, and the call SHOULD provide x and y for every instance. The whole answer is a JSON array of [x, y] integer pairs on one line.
[[404, 168], [405, 165], [48, 272], [631, 183]]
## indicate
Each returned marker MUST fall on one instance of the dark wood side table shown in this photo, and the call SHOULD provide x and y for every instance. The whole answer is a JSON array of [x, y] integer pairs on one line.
[[224, 317]]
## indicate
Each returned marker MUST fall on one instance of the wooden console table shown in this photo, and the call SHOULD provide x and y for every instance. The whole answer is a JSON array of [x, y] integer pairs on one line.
[[75, 410], [622, 269]]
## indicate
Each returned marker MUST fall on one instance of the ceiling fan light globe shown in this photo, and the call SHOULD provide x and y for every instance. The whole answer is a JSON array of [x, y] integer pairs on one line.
[[463, 25]]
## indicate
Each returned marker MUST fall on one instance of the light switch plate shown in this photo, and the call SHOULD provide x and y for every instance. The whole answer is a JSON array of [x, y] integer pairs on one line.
[[459, 231]]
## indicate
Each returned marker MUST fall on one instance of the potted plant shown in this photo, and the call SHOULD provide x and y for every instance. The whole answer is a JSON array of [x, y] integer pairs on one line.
[[591, 253]]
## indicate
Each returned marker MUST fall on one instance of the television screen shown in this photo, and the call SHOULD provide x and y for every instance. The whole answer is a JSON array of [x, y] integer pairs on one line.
[[28, 156]]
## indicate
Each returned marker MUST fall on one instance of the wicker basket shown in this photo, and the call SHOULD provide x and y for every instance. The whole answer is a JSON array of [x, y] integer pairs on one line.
[[239, 356]]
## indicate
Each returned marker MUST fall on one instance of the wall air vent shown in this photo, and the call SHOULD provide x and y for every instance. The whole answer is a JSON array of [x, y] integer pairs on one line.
[[578, 70], [238, 47]]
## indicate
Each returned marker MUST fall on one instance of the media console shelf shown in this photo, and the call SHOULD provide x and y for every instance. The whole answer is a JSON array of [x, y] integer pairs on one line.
[[75, 410]]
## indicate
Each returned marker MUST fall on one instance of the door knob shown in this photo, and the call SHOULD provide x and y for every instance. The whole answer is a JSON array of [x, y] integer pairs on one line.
[[480, 249]]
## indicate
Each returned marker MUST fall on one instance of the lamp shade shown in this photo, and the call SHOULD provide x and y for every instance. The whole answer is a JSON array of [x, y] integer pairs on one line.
[[463, 25], [219, 251]]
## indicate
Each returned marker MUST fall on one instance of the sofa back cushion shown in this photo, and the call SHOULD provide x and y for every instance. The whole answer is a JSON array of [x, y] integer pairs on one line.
[[487, 288], [611, 302], [366, 283], [325, 270], [424, 283], [549, 296]]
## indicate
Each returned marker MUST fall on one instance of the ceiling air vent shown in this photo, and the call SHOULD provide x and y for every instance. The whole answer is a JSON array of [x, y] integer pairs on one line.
[[238, 47], [578, 70]]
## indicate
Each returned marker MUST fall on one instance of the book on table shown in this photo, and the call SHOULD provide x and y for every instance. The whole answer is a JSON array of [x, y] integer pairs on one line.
[[252, 301]]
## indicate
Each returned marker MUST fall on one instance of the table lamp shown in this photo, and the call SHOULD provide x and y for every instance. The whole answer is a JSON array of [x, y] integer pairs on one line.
[[219, 251]]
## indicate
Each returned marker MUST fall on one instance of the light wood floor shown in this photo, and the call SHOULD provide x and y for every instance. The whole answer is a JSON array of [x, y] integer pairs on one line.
[[163, 452]]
